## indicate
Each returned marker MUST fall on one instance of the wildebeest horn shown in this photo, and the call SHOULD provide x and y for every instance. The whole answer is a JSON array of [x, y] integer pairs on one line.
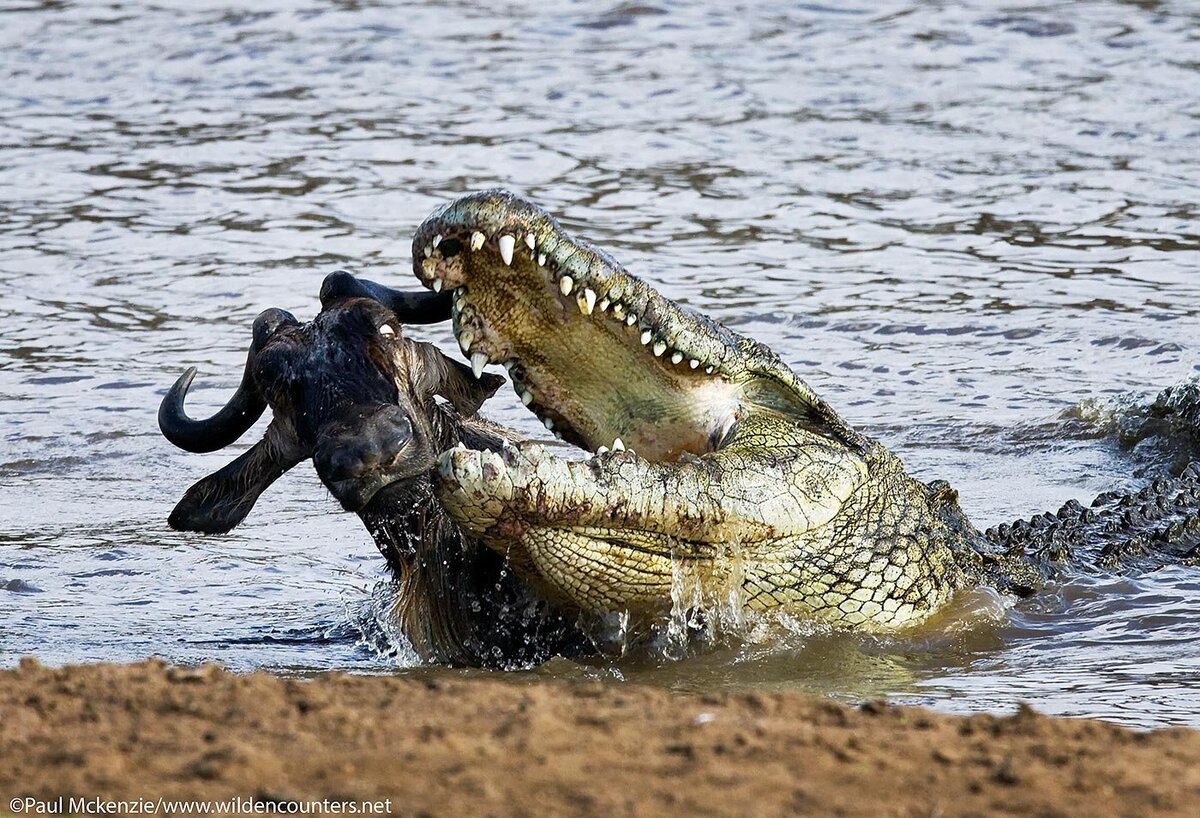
[[417, 307], [239, 414]]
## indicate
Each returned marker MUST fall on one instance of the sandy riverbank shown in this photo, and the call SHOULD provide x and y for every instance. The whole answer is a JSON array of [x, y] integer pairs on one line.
[[478, 747]]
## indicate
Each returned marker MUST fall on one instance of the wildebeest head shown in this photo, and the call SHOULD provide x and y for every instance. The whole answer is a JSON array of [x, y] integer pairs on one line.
[[346, 389]]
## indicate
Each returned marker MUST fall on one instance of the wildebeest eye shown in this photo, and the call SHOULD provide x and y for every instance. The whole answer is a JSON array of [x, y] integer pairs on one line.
[[386, 329]]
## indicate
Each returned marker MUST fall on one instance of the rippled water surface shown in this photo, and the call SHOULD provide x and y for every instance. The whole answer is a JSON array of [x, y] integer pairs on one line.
[[956, 220]]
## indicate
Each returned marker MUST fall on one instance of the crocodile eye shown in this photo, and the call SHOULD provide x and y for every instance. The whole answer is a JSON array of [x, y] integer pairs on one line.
[[386, 329]]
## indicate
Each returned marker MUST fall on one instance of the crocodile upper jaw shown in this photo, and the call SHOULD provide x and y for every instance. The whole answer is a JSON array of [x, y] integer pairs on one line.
[[595, 352]]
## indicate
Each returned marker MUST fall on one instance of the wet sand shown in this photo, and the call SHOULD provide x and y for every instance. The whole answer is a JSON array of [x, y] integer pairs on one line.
[[487, 746]]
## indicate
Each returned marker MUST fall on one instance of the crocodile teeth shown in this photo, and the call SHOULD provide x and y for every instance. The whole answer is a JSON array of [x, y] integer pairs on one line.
[[437, 240], [478, 362], [548, 423], [659, 348], [618, 312], [587, 301], [631, 319], [602, 450], [530, 242], [508, 365], [507, 243], [477, 240], [618, 445], [603, 305], [436, 285], [693, 363], [646, 336], [677, 357], [428, 251], [708, 370], [465, 339], [565, 284], [541, 259], [526, 397]]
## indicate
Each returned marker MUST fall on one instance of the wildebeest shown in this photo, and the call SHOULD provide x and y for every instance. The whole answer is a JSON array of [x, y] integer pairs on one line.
[[373, 409]]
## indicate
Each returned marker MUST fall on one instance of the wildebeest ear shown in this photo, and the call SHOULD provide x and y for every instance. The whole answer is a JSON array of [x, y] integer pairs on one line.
[[223, 499], [435, 374]]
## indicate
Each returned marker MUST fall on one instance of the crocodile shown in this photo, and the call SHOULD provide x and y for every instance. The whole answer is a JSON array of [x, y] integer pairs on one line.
[[709, 455]]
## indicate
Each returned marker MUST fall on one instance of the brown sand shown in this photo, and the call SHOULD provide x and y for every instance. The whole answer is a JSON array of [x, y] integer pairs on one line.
[[481, 747]]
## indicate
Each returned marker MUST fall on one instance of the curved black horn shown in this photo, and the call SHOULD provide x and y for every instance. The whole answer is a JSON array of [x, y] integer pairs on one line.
[[239, 414], [418, 307]]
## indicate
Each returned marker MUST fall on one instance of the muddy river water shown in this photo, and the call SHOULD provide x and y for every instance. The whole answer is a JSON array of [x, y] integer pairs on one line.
[[973, 227]]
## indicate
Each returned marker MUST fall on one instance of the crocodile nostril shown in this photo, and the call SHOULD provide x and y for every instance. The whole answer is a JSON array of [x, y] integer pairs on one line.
[[450, 247]]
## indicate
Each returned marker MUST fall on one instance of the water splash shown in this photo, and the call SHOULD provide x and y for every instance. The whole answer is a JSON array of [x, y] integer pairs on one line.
[[708, 599], [378, 627], [1162, 432]]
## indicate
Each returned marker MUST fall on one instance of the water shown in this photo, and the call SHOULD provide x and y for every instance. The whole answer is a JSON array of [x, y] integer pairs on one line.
[[957, 220]]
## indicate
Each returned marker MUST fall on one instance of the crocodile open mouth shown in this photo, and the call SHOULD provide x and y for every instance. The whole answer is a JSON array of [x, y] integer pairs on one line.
[[599, 356]]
